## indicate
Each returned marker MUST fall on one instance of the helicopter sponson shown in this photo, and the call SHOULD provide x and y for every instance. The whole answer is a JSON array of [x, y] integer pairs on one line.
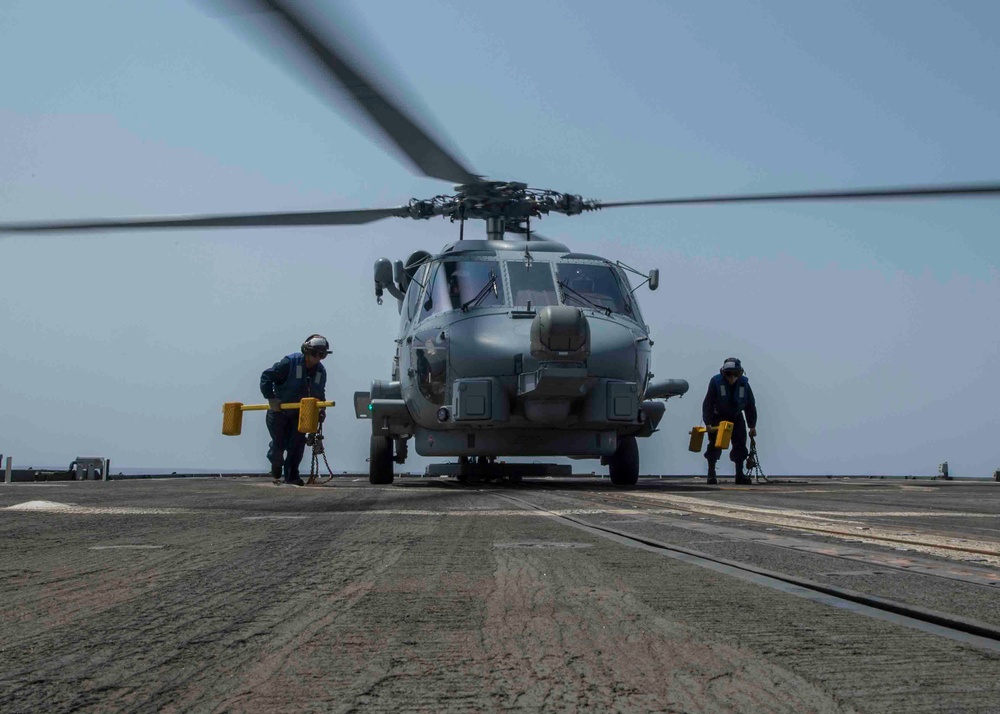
[[515, 348]]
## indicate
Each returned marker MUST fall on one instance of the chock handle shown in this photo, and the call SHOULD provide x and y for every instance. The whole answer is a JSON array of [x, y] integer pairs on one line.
[[284, 405]]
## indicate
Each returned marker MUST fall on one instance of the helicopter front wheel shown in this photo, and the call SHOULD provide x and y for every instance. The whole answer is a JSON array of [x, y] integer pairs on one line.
[[623, 466], [380, 461]]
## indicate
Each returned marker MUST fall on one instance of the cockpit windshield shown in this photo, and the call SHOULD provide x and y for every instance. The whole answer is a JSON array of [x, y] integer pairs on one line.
[[594, 286], [531, 283], [456, 284]]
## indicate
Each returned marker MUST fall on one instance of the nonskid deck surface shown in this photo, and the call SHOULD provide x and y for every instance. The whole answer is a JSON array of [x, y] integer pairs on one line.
[[238, 595]]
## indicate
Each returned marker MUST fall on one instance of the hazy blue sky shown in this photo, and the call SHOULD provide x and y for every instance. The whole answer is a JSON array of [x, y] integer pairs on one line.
[[870, 332]]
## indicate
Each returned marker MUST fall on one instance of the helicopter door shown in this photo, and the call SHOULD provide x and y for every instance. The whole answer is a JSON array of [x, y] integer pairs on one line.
[[531, 282]]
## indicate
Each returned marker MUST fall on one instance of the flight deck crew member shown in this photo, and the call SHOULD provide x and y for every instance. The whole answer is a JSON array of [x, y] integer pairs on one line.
[[289, 380], [729, 396]]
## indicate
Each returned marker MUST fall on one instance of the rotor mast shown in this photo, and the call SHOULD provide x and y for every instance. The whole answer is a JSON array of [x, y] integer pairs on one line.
[[496, 226]]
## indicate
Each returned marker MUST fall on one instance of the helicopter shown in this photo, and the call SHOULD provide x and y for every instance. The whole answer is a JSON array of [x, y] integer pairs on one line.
[[540, 390], [514, 348]]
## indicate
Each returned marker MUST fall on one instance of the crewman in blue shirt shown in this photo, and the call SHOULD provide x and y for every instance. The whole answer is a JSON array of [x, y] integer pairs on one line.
[[289, 380], [729, 396]]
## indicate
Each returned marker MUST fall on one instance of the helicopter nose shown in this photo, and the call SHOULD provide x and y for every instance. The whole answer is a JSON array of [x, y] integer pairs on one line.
[[560, 341], [560, 333]]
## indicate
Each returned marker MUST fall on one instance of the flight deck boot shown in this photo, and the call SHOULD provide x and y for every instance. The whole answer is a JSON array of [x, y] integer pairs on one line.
[[741, 478], [711, 474]]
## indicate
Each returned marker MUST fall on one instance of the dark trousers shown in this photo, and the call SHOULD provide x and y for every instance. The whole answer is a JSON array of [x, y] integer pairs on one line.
[[285, 439], [737, 446]]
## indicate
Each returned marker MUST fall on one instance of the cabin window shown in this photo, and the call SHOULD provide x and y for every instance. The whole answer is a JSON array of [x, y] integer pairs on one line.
[[472, 283], [531, 282], [430, 362], [595, 286]]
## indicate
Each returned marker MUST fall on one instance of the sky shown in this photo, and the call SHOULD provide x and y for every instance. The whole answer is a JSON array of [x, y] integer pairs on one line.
[[869, 331]]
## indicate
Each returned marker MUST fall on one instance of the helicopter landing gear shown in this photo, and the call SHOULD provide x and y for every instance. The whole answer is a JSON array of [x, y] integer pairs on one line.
[[463, 476], [479, 469], [401, 451], [380, 461], [623, 466]]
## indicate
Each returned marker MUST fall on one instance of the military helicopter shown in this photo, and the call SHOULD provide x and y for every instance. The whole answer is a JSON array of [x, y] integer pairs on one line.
[[509, 344]]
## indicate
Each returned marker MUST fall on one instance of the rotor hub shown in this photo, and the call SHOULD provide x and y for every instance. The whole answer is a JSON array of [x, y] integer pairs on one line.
[[496, 202]]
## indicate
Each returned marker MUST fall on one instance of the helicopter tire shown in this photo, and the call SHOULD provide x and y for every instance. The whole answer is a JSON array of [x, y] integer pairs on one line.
[[380, 461], [623, 466]]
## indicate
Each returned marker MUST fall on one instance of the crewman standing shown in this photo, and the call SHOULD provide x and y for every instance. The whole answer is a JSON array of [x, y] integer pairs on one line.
[[729, 396], [289, 380]]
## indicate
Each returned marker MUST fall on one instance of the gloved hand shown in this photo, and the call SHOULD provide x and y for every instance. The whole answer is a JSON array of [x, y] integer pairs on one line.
[[322, 415], [753, 431], [274, 404]]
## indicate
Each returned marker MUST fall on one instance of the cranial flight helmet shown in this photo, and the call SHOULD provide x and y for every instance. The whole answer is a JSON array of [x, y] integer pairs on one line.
[[732, 365], [316, 345]]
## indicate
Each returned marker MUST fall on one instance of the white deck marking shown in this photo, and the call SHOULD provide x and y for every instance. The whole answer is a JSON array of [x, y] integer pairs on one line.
[[39, 506], [833, 523], [123, 547], [50, 507], [509, 513], [69, 508], [797, 513]]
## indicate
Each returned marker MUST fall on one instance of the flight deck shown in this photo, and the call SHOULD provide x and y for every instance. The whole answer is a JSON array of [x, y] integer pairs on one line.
[[233, 594]]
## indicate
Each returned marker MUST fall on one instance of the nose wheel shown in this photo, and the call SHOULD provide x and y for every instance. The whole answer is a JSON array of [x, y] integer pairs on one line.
[[380, 461], [623, 465]]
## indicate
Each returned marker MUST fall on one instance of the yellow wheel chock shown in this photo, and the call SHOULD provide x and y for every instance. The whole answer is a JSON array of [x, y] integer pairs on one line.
[[723, 435], [232, 414]]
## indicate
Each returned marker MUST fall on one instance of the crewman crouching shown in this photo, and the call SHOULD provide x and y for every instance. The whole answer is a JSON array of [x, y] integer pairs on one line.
[[729, 396], [289, 380]]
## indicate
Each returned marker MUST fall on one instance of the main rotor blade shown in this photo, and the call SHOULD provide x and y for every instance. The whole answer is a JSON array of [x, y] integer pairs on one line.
[[954, 190], [309, 218], [401, 127]]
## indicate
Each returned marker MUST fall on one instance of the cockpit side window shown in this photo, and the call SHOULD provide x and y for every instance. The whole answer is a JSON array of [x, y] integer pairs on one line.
[[413, 293], [595, 286], [630, 296], [454, 283], [531, 282]]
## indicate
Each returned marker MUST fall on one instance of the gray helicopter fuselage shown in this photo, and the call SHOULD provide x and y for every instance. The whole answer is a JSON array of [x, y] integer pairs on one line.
[[516, 348]]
